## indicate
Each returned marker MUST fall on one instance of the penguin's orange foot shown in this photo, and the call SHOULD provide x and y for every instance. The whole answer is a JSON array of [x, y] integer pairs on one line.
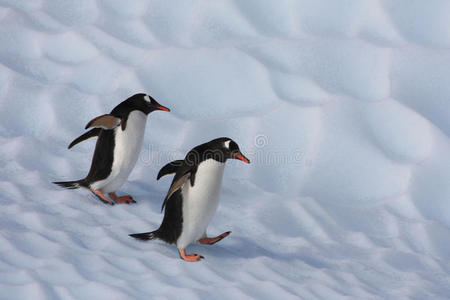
[[125, 199], [122, 199], [210, 241], [189, 257], [102, 197]]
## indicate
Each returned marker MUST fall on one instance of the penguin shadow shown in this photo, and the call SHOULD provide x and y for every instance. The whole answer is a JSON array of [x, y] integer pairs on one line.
[[241, 247], [245, 249], [234, 248]]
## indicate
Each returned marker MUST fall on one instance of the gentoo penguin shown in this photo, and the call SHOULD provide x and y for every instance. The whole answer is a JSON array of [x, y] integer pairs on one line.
[[120, 134], [193, 196]]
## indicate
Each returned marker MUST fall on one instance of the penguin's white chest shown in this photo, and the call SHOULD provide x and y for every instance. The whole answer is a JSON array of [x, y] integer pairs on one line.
[[127, 148], [200, 201]]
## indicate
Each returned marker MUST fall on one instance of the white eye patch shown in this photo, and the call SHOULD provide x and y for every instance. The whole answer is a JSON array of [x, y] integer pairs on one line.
[[147, 98], [227, 144]]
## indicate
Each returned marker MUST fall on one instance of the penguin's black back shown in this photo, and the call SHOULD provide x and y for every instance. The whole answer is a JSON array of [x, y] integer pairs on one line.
[[102, 160], [172, 224]]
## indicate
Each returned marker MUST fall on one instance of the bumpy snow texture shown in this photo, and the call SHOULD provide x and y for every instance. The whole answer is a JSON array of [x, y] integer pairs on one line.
[[342, 106]]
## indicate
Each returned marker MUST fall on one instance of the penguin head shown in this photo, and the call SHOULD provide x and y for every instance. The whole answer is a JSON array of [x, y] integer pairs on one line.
[[145, 103], [227, 148]]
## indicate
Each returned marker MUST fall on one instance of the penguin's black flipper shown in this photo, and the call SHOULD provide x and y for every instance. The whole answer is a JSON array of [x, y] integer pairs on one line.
[[184, 173], [91, 133], [170, 168], [145, 235]]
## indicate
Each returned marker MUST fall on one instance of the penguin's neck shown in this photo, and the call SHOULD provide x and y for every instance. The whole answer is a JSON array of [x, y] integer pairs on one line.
[[136, 122]]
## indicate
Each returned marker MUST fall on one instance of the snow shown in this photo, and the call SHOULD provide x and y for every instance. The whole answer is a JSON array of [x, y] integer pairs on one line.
[[342, 107]]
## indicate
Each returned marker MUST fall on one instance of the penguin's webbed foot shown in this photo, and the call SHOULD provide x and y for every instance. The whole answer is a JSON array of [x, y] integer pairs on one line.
[[211, 241], [125, 199], [189, 257], [102, 197], [122, 199]]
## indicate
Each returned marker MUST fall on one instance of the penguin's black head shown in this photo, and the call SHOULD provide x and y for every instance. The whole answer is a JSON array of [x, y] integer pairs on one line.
[[145, 103], [227, 148]]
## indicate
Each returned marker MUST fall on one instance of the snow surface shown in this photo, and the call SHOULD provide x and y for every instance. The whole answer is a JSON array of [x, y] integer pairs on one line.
[[342, 106]]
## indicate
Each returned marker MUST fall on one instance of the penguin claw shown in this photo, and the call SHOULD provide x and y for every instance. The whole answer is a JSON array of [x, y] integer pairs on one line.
[[193, 257], [106, 202], [189, 257], [125, 199], [102, 197], [110, 203]]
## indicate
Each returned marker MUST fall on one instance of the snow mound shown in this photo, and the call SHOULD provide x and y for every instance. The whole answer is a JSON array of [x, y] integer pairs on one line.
[[342, 108]]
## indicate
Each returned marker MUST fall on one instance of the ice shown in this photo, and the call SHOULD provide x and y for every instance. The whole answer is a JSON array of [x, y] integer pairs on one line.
[[353, 67], [69, 48], [235, 82], [390, 125], [221, 25], [427, 28], [23, 5], [132, 32], [132, 9], [278, 19], [342, 108], [172, 23], [18, 41], [87, 80], [426, 75], [431, 189], [72, 13], [298, 89], [320, 17], [365, 19], [120, 51], [287, 122], [352, 178]]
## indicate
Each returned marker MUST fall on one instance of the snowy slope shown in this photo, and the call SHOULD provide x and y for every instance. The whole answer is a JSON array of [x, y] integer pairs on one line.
[[342, 106]]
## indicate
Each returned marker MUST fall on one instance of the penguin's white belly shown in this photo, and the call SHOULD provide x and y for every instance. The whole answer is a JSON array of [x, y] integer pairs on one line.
[[200, 201], [127, 148]]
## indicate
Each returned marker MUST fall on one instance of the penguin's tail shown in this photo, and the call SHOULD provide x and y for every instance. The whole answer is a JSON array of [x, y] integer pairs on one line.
[[146, 236], [71, 184]]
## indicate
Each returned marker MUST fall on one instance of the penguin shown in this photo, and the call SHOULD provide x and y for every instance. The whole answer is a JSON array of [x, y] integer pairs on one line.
[[120, 134], [193, 196]]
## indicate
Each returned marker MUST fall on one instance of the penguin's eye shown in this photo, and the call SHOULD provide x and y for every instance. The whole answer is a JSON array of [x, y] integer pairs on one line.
[[147, 98], [227, 144]]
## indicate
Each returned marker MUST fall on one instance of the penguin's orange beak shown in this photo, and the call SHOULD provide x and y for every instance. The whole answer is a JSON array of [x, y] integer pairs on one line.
[[241, 156], [160, 107]]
